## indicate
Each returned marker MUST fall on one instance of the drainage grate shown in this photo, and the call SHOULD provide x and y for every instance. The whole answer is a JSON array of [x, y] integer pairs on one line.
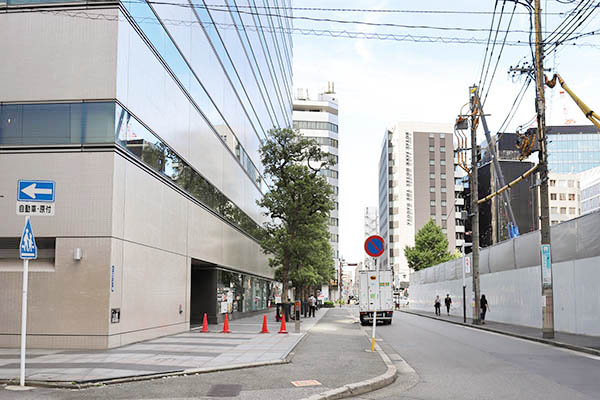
[[224, 390]]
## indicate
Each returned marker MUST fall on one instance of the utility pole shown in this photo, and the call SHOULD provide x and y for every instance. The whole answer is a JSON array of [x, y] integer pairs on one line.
[[545, 252], [474, 198]]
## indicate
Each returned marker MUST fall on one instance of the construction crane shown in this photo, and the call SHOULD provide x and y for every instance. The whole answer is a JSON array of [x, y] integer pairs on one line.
[[527, 140], [589, 114]]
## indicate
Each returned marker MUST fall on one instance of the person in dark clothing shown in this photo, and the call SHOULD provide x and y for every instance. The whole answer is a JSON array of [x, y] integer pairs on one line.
[[448, 303], [484, 306], [437, 305]]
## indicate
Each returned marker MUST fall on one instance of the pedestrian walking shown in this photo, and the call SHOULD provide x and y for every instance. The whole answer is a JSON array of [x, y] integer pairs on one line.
[[448, 303], [485, 307], [312, 301], [438, 305]]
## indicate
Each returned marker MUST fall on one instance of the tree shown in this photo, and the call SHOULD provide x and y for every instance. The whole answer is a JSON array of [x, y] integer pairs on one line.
[[297, 206], [431, 248]]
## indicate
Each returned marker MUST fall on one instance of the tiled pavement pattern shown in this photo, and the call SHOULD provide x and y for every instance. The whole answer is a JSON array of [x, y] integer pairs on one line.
[[180, 352]]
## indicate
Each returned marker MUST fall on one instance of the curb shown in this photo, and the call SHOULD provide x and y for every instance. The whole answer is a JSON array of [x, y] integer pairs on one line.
[[137, 378], [368, 385], [550, 342]]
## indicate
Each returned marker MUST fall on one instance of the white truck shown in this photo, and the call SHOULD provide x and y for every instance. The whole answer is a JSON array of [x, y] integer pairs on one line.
[[376, 293]]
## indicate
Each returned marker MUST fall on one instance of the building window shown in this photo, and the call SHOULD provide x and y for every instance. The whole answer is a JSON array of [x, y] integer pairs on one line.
[[431, 176], [572, 196], [443, 176], [552, 182], [554, 210], [432, 203], [572, 210], [443, 149], [431, 135], [553, 222], [442, 162], [431, 162], [571, 183], [431, 148], [563, 210], [562, 196], [444, 217], [432, 190], [552, 196], [442, 135], [443, 190], [443, 203]]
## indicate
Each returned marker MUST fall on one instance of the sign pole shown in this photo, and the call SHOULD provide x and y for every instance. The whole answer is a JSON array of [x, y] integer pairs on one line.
[[464, 285], [375, 246], [376, 303], [24, 320]]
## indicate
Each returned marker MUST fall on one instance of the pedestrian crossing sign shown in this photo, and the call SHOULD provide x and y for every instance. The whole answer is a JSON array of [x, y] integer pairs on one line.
[[27, 247]]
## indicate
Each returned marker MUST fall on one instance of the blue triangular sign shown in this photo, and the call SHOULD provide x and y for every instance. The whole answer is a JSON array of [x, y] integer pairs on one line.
[[27, 247]]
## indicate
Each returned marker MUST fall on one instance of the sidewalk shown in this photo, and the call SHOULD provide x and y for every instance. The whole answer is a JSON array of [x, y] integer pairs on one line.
[[331, 357], [192, 350], [587, 344]]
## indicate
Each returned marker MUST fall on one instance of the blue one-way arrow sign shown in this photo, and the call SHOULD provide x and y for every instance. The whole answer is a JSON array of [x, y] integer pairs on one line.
[[27, 247], [36, 191]]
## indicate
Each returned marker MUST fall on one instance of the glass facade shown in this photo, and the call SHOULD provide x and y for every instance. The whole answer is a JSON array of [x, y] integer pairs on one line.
[[108, 122], [325, 126], [573, 153], [241, 293]]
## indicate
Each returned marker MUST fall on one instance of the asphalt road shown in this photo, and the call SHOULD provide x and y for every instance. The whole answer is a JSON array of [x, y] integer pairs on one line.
[[455, 362]]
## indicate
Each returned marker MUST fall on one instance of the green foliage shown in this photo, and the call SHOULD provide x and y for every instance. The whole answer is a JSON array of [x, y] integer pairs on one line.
[[328, 304], [431, 248], [297, 206]]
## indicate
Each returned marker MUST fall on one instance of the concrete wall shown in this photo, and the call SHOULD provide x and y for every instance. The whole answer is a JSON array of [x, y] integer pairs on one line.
[[511, 279]]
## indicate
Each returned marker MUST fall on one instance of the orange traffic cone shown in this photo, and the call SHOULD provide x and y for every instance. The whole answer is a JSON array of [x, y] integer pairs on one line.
[[282, 329], [204, 325], [226, 325], [264, 327]]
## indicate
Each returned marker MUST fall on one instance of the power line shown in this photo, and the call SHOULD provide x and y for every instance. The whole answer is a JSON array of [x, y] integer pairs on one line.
[[487, 46], [327, 20], [304, 31], [366, 10], [493, 47], [499, 55]]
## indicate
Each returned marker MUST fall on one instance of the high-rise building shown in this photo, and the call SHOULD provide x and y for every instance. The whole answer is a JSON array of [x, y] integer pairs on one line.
[[589, 184], [318, 119], [573, 148], [416, 184], [564, 197], [151, 132]]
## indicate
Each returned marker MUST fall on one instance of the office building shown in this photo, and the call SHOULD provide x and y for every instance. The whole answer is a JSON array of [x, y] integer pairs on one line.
[[317, 119], [565, 197], [151, 132], [573, 148], [589, 182], [416, 184]]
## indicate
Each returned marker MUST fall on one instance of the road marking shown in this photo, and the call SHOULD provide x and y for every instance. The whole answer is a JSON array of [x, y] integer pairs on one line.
[[310, 382]]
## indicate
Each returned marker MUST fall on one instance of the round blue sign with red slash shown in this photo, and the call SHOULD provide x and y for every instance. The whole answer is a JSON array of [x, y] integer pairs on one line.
[[374, 245]]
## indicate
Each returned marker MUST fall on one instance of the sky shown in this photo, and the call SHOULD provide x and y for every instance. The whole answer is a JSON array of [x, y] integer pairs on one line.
[[379, 83]]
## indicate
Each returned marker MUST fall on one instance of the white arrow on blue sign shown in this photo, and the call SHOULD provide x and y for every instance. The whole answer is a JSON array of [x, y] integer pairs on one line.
[[36, 191], [27, 247]]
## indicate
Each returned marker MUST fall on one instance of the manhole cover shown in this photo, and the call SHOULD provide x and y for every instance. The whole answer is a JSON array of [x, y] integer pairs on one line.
[[224, 390], [310, 382]]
